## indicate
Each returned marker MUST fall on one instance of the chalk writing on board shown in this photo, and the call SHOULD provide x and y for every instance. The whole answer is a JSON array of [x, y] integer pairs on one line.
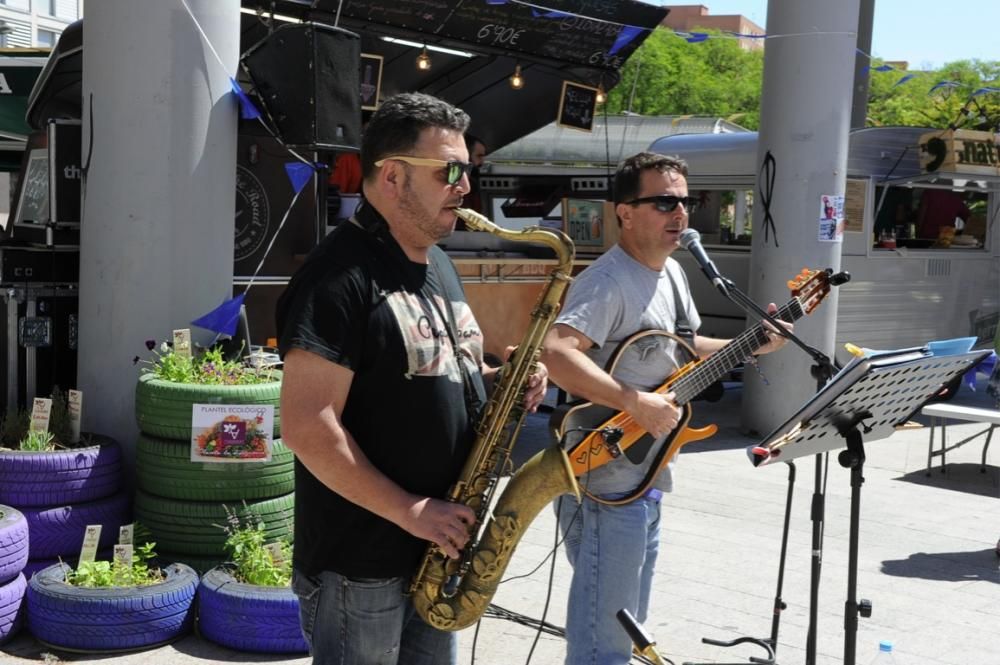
[[576, 106], [33, 205]]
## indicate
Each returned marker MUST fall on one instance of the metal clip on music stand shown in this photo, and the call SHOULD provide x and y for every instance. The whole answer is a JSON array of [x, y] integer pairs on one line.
[[870, 397]]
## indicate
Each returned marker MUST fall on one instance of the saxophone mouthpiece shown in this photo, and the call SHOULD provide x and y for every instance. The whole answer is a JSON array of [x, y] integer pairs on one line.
[[474, 220]]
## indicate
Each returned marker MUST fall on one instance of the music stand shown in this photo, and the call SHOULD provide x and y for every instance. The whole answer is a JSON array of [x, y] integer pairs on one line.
[[871, 397]]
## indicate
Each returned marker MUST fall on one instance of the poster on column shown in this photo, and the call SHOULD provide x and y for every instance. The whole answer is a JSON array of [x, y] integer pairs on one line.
[[831, 218]]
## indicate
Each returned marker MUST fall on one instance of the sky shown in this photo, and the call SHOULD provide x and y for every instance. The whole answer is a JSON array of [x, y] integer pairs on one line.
[[922, 32]]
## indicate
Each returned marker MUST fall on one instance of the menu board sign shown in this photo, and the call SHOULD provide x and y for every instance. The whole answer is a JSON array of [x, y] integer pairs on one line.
[[371, 80], [577, 104]]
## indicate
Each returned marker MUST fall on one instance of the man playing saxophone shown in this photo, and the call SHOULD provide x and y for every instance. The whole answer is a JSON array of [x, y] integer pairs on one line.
[[634, 286], [383, 382]]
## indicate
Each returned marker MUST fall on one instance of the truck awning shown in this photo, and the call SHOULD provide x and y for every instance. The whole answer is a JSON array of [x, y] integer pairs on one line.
[[19, 68]]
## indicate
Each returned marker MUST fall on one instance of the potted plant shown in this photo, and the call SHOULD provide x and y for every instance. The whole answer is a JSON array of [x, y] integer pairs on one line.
[[172, 383], [248, 604], [179, 495], [104, 606]]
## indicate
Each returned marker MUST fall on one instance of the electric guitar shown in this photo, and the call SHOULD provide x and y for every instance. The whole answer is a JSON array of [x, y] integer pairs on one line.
[[610, 433]]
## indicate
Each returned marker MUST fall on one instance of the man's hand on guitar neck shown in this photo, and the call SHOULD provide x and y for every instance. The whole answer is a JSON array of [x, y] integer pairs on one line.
[[774, 340], [654, 412]]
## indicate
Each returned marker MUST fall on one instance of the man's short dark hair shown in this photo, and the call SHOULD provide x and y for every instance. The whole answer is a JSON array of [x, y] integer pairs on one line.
[[395, 127], [471, 140], [629, 174]]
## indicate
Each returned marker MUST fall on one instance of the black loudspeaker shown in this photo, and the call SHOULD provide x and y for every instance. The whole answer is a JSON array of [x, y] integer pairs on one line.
[[264, 196], [307, 76]]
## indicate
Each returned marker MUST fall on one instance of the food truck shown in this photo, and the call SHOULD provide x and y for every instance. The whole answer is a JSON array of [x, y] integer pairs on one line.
[[920, 231]]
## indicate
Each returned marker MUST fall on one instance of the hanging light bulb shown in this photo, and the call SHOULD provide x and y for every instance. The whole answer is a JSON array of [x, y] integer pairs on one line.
[[601, 95], [423, 61], [516, 80]]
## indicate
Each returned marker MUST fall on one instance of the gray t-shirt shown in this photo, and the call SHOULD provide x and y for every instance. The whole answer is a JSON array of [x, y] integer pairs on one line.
[[610, 301]]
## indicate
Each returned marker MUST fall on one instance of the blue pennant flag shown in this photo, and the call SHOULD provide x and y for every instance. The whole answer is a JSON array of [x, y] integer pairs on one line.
[[884, 68], [551, 14], [695, 37], [247, 109], [984, 90], [625, 37], [944, 84], [903, 80], [224, 318], [299, 174]]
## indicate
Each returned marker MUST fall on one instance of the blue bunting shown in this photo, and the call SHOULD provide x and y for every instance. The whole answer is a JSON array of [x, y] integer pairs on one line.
[[627, 34], [247, 109], [944, 84], [299, 174], [224, 318], [903, 80]]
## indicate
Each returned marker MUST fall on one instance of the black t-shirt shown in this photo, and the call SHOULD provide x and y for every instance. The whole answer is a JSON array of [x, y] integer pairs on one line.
[[361, 303]]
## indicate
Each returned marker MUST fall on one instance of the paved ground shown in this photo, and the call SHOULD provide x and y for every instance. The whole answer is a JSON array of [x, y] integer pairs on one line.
[[926, 562]]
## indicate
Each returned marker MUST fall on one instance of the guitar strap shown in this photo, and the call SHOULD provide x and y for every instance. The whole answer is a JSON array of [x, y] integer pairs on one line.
[[682, 326]]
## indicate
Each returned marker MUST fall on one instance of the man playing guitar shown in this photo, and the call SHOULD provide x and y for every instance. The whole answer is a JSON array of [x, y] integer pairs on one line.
[[635, 286]]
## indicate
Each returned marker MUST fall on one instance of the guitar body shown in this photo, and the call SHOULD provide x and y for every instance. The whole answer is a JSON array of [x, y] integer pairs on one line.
[[621, 436], [595, 435]]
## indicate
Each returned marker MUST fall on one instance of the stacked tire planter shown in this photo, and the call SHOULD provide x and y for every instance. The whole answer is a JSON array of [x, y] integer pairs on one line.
[[248, 617], [61, 492], [184, 503], [111, 619], [13, 557]]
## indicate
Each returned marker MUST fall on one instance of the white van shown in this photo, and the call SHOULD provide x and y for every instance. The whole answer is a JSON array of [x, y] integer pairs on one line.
[[923, 248]]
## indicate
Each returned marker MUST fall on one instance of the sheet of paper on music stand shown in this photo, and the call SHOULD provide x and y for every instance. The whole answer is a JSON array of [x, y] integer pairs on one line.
[[891, 386]]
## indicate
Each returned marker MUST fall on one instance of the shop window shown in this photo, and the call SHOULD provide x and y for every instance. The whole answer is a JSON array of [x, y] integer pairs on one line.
[[723, 216], [926, 218]]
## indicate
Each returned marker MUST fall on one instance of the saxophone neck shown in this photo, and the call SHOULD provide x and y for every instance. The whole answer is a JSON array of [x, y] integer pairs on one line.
[[558, 241]]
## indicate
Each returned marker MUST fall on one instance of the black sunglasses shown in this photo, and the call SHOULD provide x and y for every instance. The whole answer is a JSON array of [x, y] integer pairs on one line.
[[453, 170], [667, 202]]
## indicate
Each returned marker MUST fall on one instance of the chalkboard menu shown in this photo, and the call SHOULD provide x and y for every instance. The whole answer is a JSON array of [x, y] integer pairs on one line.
[[576, 106], [33, 201], [596, 33]]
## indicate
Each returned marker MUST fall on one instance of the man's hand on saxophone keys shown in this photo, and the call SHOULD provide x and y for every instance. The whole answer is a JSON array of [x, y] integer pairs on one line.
[[444, 523]]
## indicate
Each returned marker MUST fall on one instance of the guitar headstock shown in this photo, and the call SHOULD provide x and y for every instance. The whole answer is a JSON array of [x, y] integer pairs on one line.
[[810, 288]]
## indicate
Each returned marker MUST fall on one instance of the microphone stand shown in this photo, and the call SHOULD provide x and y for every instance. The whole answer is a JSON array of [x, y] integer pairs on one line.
[[822, 371]]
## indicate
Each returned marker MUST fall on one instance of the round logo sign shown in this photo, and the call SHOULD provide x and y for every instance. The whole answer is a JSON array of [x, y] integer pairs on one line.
[[253, 214]]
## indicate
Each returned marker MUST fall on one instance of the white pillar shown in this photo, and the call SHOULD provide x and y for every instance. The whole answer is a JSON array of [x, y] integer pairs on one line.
[[805, 118], [159, 137]]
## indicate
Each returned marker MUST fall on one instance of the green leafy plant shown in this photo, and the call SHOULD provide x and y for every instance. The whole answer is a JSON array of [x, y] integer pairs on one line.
[[38, 441], [15, 427], [104, 574], [206, 366], [253, 561]]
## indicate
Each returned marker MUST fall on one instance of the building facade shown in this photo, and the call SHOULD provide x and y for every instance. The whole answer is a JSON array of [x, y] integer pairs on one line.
[[687, 18], [36, 23]]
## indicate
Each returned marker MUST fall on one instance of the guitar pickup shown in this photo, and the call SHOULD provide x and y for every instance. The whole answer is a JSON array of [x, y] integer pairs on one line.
[[611, 436]]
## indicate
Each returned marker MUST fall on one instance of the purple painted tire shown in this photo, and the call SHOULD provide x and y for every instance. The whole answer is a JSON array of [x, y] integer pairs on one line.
[[58, 531], [13, 543], [60, 477], [11, 602]]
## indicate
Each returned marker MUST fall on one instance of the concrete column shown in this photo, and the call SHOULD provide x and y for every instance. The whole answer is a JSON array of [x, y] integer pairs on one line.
[[805, 118], [159, 138]]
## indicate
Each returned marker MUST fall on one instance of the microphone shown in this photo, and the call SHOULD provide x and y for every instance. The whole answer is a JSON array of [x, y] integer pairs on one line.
[[691, 241]]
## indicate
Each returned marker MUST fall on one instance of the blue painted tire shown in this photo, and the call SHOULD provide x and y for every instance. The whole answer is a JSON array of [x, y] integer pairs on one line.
[[60, 477], [113, 619], [11, 601], [58, 531], [13, 543], [247, 617]]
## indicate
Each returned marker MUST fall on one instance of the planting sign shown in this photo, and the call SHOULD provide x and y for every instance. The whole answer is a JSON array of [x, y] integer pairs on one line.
[[231, 432]]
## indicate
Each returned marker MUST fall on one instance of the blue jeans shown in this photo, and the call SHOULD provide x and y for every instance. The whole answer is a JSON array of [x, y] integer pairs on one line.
[[367, 622], [613, 552]]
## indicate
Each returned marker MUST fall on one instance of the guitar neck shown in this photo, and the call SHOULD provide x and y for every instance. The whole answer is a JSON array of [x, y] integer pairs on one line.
[[707, 372]]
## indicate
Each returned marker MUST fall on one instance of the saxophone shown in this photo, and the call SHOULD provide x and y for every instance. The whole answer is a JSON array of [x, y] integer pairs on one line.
[[451, 594]]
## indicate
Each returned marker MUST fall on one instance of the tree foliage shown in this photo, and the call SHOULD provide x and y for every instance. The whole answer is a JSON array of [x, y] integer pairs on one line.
[[669, 76]]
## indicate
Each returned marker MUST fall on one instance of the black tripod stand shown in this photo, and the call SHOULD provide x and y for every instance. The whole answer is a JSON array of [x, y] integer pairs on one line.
[[867, 400]]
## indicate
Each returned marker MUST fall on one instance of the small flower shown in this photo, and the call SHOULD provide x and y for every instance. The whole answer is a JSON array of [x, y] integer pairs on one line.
[[150, 344]]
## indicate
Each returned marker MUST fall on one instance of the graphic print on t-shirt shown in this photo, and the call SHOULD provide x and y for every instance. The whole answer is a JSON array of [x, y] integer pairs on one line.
[[425, 334]]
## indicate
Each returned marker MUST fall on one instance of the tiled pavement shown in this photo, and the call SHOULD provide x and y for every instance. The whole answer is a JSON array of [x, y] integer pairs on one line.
[[926, 561]]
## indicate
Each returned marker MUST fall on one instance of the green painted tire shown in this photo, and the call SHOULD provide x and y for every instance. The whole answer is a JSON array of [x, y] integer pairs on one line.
[[164, 468], [195, 528], [163, 408]]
